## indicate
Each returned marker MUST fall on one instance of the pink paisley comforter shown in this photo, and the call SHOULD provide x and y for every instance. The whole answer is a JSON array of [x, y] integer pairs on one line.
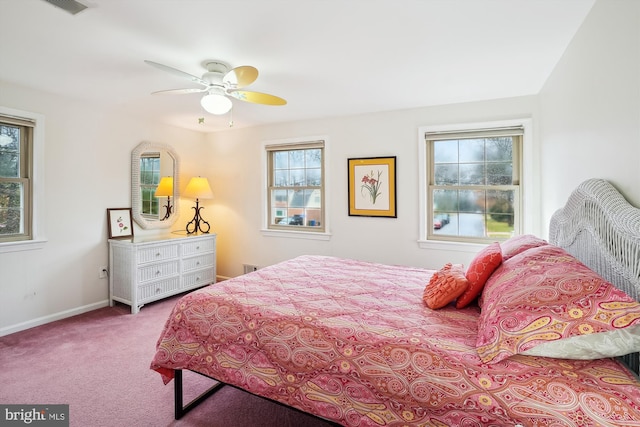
[[352, 342]]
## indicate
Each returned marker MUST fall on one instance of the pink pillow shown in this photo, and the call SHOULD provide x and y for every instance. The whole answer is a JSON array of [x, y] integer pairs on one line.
[[481, 267], [445, 285], [544, 295], [518, 244]]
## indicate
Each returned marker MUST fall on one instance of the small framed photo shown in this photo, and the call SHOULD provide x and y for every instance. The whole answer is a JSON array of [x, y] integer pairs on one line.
[[119, 222], [372, 186]]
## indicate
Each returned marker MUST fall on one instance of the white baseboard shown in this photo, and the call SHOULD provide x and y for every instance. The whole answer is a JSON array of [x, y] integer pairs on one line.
[[62, 315], [52, 318]]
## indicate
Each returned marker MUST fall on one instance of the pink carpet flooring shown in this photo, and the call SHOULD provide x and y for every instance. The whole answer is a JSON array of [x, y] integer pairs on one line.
[[98, 363]]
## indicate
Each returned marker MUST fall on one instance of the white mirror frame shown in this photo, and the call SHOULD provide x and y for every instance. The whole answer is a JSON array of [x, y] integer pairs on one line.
[[136, 203]]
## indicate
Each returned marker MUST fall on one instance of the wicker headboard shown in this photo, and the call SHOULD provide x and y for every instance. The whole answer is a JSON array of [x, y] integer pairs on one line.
[[600, 228]]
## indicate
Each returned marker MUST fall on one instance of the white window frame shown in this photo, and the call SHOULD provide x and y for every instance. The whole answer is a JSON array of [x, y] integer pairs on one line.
[[295, 233], [38, 195], [527, 184]]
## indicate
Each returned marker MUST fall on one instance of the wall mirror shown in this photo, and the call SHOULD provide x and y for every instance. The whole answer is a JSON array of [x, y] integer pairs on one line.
[[150, 162]]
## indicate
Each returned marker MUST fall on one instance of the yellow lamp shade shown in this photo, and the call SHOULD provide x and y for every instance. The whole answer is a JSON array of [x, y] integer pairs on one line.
[[198, 188], [165, 187]]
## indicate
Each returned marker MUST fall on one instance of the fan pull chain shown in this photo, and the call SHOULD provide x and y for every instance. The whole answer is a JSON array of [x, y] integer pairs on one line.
[[231, 117]]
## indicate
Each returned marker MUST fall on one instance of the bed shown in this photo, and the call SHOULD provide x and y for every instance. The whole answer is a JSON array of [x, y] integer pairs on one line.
[[539, 340]]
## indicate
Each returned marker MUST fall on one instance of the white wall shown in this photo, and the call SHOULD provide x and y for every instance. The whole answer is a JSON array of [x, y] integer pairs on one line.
[[590, 107], [87, 170], [237, 184]]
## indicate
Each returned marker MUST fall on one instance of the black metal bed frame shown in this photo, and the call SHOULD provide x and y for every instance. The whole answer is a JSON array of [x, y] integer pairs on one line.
[[181, 409]]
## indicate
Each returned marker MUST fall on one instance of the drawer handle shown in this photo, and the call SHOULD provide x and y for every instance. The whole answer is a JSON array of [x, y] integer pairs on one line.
[[158, 290], [197, 248], [157, 272], [157, 253], [197, 262], [197, 279]]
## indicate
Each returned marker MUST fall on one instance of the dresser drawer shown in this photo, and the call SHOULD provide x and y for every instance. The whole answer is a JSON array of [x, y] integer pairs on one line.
[[151, 291], [198, 278], [157, 253], [149, 268], [157, 271], [197, 262], [198, 247]]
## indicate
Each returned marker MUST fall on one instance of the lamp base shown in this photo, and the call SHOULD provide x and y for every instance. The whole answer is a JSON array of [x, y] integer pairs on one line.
[[196, 223], [168, 209]]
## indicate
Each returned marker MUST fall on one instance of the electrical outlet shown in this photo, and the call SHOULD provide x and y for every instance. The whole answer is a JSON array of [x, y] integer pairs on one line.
[[248, 268], [103, 273]]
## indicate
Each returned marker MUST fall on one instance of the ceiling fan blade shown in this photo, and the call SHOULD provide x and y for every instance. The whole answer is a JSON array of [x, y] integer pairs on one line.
[[179, 91], [257, 97], [241, 76], [177, 72]]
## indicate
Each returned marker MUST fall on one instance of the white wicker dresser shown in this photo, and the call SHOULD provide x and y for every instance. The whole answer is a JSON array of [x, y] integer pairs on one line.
[[146, 269]]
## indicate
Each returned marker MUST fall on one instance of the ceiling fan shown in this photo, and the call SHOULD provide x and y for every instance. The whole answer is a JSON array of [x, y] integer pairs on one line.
[[218, 84]]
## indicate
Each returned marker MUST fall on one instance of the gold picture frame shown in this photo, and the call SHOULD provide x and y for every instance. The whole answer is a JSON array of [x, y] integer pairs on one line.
[[119, 223], [372, 186]]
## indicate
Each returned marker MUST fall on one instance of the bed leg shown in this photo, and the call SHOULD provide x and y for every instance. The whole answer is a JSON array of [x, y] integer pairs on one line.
[[177, 394], [180, 408]]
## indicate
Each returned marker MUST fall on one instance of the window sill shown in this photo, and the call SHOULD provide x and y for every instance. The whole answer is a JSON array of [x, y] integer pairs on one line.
[[24, 245], [441, 245], [310, 235]]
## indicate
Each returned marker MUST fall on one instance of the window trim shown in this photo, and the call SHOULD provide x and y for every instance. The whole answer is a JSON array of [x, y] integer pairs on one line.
[[527, 184], [295, 233], [37, 200]]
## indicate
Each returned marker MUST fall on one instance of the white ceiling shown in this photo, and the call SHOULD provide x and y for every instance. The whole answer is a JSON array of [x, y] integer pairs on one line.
[[325, 57]]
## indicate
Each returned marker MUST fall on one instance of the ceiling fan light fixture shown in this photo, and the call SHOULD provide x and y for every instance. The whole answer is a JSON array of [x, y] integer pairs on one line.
[[219, 86], [216, 104]]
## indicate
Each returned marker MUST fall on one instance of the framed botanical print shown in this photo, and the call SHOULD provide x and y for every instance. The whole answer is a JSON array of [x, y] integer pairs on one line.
[[372, 186], [119, 223]]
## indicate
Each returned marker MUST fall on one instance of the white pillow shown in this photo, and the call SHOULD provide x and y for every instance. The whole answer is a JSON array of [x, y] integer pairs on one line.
[[593, 346]]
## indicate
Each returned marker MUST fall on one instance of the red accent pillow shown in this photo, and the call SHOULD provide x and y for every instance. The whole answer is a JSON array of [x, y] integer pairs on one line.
[[445, 285], [482, 266]]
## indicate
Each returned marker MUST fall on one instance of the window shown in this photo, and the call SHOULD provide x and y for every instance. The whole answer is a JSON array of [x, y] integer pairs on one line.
[[474, 182], [149, 179], [16, 183], [295, 186]]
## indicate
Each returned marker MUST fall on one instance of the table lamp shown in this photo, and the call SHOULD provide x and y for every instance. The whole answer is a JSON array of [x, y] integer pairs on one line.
[[198, 188], [165, 188]]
